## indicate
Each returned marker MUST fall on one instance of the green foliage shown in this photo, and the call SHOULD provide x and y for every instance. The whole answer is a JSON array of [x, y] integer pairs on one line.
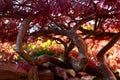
[[41, 52], [40, 47]]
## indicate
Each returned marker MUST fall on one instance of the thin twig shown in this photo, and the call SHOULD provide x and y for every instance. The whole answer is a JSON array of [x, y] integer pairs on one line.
[[58, 39]]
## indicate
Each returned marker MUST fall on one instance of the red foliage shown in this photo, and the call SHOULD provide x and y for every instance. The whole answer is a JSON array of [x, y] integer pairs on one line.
[[90, 63], [64, 12], [2, 5], [8, 32]]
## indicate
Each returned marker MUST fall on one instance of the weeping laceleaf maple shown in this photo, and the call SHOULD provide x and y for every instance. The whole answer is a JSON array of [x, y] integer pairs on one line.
[[60, 17]]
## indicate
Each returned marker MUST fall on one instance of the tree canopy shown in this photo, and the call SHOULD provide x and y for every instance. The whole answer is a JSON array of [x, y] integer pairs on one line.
[[88, 27]]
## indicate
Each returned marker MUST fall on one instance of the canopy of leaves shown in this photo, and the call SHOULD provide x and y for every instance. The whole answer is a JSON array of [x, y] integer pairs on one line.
[[64, 12], [96, 21]]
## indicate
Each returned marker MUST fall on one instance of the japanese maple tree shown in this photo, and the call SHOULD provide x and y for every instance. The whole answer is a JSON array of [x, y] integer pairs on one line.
[[76, 24]]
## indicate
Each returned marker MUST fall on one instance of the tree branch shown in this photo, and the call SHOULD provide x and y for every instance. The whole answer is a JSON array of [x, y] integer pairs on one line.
[[85, 19], [76, 40], [58, 39], [67, 50], [96, 33], [46, 58], [101, 72], [82, 48], [82, 21], [111, 43], [19, 42], [95, 28]]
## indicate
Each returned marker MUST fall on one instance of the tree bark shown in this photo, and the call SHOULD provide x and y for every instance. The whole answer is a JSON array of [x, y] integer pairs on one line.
[[33, 73]]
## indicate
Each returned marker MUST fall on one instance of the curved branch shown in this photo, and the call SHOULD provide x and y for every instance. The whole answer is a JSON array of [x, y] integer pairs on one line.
[[76, 40], [33, 74], [19, 42]]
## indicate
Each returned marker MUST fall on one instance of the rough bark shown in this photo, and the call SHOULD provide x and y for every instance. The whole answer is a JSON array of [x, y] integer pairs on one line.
[[82, 51]]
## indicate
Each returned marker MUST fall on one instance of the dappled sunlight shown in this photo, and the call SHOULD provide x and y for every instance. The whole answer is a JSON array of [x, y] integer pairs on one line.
[[58, 39], [112, 56], [7, 52]]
